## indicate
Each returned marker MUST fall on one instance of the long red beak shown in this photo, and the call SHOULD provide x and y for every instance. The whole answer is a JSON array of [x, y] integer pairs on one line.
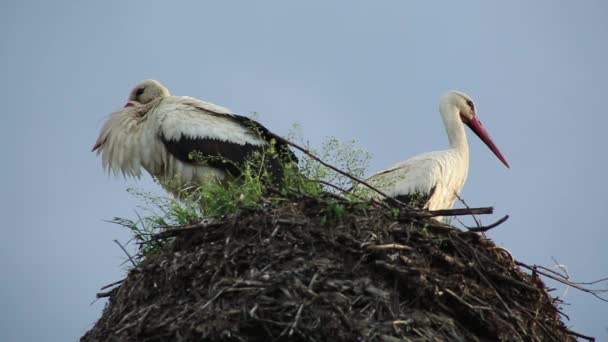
[[483, 134]]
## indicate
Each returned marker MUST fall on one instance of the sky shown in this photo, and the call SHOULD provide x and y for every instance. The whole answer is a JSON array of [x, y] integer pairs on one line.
[[370, 71]]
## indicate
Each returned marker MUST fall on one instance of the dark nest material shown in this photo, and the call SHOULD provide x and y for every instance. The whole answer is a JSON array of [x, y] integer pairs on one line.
[[301, 272]]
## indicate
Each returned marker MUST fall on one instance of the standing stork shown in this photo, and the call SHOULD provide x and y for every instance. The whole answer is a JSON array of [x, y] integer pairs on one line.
[[182, 141], [435, 179]]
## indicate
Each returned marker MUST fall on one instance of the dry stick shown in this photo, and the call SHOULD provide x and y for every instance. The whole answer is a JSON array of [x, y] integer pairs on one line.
[[295, 320], [127, 253], [560, 279], [114, 283], [219, 293], [464, 302], [467, 206], [488, 283], [579, 335], [360, 181], [292, 327], [459, 212], [170, 231], [488, 227], [344, 191], [566, 275], [104, 294], [389, 246], [561, 267], [591, 283]]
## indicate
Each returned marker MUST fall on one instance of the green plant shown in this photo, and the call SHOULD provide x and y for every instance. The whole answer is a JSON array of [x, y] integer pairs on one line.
[[254, 187], [333, 212], [344, 155], [395, 212], [158, 211]]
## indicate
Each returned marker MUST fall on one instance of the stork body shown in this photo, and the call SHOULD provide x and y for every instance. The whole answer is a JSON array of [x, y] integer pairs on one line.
[[180, 140], [437, 178]]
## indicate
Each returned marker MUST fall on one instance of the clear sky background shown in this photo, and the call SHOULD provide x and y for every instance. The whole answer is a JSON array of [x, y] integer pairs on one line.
[[369, 70]]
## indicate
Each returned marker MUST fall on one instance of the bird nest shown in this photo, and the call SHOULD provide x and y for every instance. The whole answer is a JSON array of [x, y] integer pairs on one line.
[[320, 270]]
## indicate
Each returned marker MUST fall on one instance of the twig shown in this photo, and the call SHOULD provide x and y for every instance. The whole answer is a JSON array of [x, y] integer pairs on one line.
[[394, 268], [356, 179], [459, 212], [114, 283], [579, 335], [467, 206], [481, 229], [291, 222], [296, 319], [463, 302], [217, 295], [335, 196], [312, 280], [566, 275], [562, 267], [513, 281], [330, 185], [508, 311], [105, 294], [591, 282], [127, 253], [541, 270], [389, 246], [172, 231]]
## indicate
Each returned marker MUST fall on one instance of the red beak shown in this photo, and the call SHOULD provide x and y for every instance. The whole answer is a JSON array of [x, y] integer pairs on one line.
[[483, 134], [129, 104]]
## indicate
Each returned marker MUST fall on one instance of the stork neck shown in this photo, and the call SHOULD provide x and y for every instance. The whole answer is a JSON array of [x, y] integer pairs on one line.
[[455, 129]]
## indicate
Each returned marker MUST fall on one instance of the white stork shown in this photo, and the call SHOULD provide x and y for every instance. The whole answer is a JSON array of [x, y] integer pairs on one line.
[[436, 178], [169, 135]]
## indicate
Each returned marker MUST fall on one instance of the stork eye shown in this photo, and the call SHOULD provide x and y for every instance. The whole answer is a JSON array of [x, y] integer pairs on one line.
[[471, 105], [139, 91]]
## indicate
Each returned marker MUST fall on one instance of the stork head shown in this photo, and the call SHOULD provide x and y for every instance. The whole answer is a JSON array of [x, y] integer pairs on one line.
[[461, 105], [146, 92]]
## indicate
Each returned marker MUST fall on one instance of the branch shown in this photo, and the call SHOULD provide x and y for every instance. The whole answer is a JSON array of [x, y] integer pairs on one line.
[[459, 212], [172, 231], [559, 278], [127, 253], [114, 283], [388, 246], [356, 179], [105, 294], [579, 335], [467, 206], [344, 191], [482, 229]]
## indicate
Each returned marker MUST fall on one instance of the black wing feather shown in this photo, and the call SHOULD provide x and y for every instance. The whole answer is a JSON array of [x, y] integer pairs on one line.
[[229, 156], [224, 155], [283, 149]]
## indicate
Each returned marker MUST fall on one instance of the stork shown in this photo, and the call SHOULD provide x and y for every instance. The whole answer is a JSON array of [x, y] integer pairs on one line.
[[181, 141], [434, 180]]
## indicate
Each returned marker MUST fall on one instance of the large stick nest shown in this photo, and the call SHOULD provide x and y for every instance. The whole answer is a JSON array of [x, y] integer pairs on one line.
[[299, 272]]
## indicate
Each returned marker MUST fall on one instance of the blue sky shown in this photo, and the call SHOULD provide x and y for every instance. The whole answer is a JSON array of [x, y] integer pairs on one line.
[[372, 71]]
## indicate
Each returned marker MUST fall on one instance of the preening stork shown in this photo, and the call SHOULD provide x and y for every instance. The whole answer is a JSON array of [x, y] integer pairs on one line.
[[436, 178], [181, 141]]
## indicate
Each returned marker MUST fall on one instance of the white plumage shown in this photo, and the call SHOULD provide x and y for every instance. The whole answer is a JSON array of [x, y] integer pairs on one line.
[[158, 132], [438, 176]]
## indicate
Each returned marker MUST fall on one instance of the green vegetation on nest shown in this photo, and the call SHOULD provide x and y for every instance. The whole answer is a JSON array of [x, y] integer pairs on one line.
[[252, 189]]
